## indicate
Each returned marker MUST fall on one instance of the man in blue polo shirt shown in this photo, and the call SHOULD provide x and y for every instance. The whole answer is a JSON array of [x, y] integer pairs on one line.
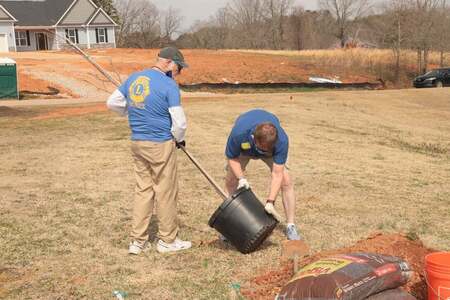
[[257, 134], [151, 99]]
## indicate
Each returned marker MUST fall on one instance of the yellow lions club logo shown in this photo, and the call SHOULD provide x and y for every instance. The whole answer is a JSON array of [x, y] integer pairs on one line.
[[139, 90], [246, 146]]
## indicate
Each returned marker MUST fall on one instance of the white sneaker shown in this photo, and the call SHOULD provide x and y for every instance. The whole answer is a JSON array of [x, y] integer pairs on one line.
[[291, 233], [137, 247], [177, 245]]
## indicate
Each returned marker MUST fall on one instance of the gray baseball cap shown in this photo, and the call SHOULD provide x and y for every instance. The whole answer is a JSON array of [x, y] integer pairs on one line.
[[174, 54]]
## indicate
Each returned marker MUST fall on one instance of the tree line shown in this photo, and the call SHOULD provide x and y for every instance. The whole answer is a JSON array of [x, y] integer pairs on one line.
[[419, 25]]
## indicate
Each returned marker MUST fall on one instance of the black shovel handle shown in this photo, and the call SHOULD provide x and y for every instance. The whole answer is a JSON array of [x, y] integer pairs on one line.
[[209, 178]]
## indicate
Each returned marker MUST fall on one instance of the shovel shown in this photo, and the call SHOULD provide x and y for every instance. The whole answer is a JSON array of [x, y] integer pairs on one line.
[[191, 158], [207, 176]]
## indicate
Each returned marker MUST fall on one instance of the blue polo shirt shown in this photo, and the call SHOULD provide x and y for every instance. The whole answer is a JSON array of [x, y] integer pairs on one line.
[[241, 139], [149, 96]]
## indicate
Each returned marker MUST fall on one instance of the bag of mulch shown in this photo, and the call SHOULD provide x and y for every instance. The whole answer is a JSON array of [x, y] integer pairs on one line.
[[347, 277], [397, 294]]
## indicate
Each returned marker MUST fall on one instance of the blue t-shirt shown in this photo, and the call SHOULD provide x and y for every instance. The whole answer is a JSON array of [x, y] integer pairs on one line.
[[241, 139], [149, 96]]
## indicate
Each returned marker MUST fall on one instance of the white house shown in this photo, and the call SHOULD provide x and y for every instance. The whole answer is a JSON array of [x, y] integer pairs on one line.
[[32, 25]]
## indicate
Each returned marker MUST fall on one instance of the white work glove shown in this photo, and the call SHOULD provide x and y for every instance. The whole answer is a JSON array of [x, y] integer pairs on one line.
[[243, 183], [270, 209]]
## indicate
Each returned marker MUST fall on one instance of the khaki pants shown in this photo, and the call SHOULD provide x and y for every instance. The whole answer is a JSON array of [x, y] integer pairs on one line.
[[155, 169]]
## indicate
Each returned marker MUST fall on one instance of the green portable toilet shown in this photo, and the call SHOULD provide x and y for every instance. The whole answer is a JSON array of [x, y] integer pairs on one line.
[[8, 79]]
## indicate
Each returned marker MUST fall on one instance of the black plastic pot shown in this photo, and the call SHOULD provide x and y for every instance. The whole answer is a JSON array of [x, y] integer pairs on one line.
[[243, 221]]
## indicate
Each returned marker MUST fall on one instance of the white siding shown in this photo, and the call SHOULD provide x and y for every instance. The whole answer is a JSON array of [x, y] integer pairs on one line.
[[32, 46], [7, 28], [92, 37], [51, 43], [60, 32], [111, 35], [82, 37]]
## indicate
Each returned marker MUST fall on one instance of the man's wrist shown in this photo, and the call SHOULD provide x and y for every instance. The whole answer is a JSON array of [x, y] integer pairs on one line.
[[270, 201]]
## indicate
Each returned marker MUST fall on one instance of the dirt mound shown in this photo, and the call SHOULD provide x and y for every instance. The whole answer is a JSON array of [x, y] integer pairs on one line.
[[70, 72], [31, 85], [267, 285]]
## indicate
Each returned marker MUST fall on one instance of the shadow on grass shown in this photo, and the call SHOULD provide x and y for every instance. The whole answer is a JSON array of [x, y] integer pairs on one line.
[[153, 230], [228, 247], [15, 112]]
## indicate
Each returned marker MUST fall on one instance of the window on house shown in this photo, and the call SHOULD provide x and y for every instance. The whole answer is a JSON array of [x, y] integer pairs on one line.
[[21, 38], [102, 35], [72, 35]]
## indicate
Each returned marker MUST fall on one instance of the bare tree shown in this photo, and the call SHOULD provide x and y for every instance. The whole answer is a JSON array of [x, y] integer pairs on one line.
[[395, 27], [222, 21], [297, 25], [443, 32], [247, 16], [310, 29], [425, 24], [139, 23], [171, 23], [124, 11], [212, 34], [345, 13], [109, 8], [276, 12], [202, 35]]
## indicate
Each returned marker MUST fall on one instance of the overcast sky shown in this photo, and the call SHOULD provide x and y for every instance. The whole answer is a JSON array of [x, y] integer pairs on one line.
[[193, 10]]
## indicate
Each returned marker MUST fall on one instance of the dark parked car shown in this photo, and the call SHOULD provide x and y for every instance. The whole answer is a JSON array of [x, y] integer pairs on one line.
[[434, 78]]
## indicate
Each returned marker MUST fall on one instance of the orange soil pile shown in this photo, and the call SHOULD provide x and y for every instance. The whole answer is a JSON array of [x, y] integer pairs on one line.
[[206, 66], [34, 85], [267, 285], [212, 66]]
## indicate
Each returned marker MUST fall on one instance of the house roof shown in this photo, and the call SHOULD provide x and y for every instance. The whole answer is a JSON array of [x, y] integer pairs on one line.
[[5, 16], [101, 17], [36, 12]]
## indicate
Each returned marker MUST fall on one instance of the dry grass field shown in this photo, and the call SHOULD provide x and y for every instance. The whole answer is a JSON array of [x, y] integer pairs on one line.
[[362, 162], [363, 56]]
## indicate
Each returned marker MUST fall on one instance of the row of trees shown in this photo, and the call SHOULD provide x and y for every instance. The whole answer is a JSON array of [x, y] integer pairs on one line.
[[421, 25], [260, 24], [143, 25]]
